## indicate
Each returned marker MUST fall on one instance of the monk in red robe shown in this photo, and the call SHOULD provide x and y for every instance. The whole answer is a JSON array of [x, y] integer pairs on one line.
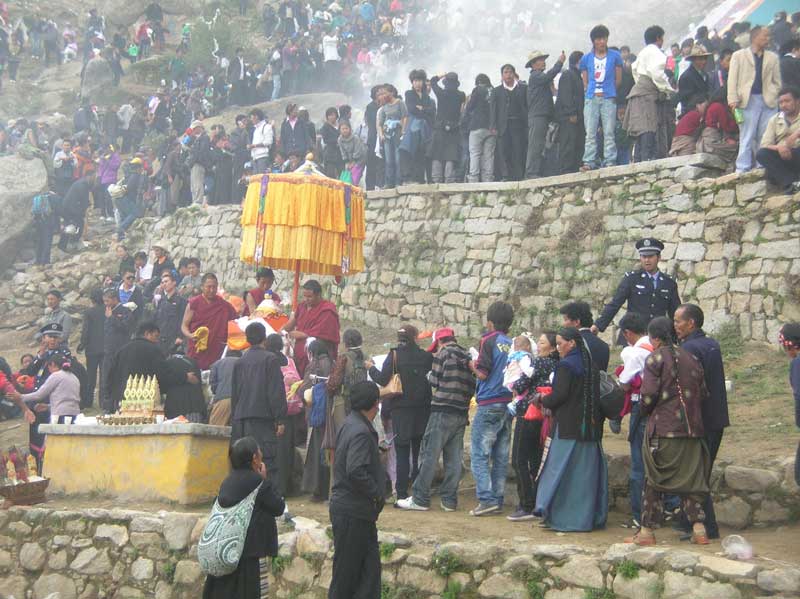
[[315, 317], [210, 311], [265, 278]]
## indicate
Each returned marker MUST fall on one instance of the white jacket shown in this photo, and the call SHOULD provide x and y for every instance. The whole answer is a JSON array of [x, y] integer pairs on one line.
[[262, 137]]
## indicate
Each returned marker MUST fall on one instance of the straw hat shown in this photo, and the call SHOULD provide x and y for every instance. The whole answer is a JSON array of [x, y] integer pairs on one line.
[[698, 51], [535, 55]]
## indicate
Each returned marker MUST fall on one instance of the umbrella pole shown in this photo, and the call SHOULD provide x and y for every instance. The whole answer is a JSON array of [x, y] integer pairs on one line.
[[296, 290]]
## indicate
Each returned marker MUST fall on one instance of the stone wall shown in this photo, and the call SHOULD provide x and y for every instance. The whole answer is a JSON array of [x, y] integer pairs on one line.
[[118, 554], [441, 254]]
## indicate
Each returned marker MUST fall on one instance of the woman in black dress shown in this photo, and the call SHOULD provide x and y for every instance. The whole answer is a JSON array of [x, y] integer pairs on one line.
[[410, 411], [248, 472]]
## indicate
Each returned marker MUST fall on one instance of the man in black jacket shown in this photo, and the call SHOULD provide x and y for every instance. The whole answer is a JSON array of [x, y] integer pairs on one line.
[[142, 356], [695, 80], [569, 114], [540, 108], [201, 160], [511, 118], [258, 398], [116, 334], [73, 210], [92, 344], [579, 315], [169, 312], [357, 500], [790, 63]]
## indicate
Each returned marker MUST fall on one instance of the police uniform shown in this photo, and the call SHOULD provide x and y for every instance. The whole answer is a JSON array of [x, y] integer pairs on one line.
[[643, 295]]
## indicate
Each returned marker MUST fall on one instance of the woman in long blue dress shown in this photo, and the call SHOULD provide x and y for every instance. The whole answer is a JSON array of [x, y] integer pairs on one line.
[[572, 494]]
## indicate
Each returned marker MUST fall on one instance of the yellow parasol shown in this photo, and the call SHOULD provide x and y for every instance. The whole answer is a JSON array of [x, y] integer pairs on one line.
[[303, 222]]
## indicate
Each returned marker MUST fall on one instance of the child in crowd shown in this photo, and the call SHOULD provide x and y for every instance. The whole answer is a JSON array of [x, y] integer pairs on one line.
[[520, 362]]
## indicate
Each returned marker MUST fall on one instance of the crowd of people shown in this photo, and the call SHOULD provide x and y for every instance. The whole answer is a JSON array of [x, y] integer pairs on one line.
[[374, 432], [731, 96]]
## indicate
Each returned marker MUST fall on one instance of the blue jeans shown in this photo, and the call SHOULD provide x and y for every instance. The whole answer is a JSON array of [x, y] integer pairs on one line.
[[391, 155], [444, 436], [491, 436], [638, 423], [756, 116], [595, 112]]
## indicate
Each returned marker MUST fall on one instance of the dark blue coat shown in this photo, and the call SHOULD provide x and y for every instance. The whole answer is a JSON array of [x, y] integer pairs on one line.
[[707, 350], [636, 288]]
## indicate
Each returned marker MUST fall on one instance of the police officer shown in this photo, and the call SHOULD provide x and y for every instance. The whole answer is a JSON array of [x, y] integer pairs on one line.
[[648, 291]]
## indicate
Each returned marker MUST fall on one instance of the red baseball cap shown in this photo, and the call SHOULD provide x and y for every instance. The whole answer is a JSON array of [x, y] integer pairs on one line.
[[440, 334]]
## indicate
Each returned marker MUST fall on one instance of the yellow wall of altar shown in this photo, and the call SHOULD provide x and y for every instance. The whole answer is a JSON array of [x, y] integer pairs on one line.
[[183, 468]]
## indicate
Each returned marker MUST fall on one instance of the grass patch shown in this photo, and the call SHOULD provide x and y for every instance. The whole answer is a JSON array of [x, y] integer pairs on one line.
[[599, 594], [169, 572], [628, 569], [387, 549], [279, 563], [583, 226], [452, 590], [389, 591], [730, 340], [445, 563], [732, 231]]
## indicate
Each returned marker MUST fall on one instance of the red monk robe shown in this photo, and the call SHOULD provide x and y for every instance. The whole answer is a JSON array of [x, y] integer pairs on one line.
[[215, 315], [320, 322]]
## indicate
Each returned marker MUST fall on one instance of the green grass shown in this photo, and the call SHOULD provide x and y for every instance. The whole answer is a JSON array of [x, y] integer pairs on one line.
[[387, 549], [730, 340], [628, 569], [279, 564], [452, 590], [169, 572], [599, 594], [445, 563]]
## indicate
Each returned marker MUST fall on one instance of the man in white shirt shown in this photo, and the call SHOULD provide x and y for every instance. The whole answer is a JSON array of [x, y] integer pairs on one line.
[[330, 54], [263, 137], [634, 328], [648, 113]]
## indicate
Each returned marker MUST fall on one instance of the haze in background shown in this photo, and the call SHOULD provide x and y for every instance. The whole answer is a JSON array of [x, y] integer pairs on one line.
[[478, 36]]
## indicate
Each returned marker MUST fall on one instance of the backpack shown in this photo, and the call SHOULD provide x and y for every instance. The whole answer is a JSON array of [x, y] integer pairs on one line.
[[319, 400], [611, 396], [222, 542], [42, 208]]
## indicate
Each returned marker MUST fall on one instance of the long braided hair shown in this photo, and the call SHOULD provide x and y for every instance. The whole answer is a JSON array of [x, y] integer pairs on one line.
[[589, 403]]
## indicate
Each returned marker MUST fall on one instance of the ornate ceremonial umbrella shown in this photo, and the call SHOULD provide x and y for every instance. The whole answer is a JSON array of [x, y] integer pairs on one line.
[[303, 222]]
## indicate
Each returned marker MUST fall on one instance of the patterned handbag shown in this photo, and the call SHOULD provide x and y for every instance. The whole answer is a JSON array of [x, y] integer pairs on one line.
[[222, 542]]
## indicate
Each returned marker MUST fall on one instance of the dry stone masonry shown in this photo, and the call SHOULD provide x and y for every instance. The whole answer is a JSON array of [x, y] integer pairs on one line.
[[441, 253], [120, 554]]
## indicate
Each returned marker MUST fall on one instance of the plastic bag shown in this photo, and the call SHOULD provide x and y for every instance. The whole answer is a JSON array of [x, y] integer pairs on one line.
[[737, 547]]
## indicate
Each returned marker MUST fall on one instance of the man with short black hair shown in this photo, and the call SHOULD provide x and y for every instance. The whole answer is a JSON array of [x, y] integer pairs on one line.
[[130, 294], [263, 138], [169, 312], [54, 313], [790, 63], [780, 146], [688, 321], [569, 113], [265, 278], [191, 283], [579, 315], [357, 500], [237, 75], [258, 398]]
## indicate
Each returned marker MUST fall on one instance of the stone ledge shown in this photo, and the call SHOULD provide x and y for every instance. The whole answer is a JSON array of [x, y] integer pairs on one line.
[[102, 430]]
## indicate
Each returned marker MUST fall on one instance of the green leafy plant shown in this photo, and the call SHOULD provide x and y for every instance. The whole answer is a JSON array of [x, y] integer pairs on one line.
[[657, 189], [628, 569], [445, 563], [169, 572]]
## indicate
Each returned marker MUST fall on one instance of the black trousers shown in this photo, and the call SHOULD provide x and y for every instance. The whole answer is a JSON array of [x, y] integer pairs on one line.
[[570, 146], [356, 559], [374, 169], [94, 365], [526, 455], [713, 441], [407, 464], [44, 240], [779, 171], [513, 145], [646, 147], [263, 431]]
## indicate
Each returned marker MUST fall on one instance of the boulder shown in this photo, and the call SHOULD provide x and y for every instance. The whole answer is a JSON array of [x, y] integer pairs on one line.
[[503, 586], [756, 480], [118, 535], [581, 571], [32, 557], [92, 562], [783, 580], [13, 587], [646, 585], [20, 180], [178, 530], [97, 77], [733, 511], [54, 584]]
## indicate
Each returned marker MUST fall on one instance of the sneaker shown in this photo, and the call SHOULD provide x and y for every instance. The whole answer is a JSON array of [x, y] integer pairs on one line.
[[633, 523], [408, 504], [483, 509], [446, 508], [520, 515]]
